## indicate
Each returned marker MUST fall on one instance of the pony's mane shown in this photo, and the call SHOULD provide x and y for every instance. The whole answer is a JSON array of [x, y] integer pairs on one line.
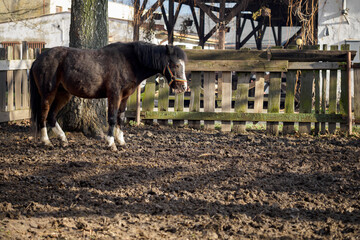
[[155, 56]]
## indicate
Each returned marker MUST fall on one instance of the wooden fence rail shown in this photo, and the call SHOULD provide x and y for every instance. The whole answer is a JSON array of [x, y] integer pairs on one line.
[[221, 80]]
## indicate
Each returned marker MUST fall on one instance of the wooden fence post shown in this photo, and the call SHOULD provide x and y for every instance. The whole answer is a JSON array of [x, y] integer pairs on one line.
[[306, 91], [195, 97], [259, 93], [290, 100], [163, 100], [149, 97], [357, 92], [333, 93], [209, 97], [226, 99], [241, 102], [274, 102], [323, 94], [343, 103], [179, 107]]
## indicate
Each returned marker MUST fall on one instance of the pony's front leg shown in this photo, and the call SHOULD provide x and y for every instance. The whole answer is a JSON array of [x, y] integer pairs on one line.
[[119, 135], [112, 114]]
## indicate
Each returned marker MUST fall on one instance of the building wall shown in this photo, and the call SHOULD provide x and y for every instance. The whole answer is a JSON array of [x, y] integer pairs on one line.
[[334, 29], [14, 10]]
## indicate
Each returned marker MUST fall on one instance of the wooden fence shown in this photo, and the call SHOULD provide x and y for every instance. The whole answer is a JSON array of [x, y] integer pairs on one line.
[[215, 96], [222, 91], [14, 84]]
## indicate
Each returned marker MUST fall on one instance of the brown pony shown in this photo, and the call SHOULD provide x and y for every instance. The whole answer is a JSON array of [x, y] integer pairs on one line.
[[112, 72]]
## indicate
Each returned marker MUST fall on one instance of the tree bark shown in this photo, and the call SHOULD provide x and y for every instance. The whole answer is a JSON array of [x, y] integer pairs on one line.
[[88, 29]]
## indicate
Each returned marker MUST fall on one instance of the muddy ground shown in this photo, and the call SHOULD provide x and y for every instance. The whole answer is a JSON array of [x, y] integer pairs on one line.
[[179, 184]]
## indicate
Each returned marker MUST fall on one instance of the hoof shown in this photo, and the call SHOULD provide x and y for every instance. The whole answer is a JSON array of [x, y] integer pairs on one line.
[[47, 143], [113, 148], [122, 143], [65, 144]]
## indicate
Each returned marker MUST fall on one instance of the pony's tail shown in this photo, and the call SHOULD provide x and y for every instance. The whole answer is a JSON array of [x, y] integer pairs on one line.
[[35, 104]]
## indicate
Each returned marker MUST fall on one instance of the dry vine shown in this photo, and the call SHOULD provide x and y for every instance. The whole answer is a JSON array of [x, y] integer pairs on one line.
[[305, 11]]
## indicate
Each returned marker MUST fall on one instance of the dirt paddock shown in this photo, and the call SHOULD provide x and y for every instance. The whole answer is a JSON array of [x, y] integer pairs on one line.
[[179, 184]]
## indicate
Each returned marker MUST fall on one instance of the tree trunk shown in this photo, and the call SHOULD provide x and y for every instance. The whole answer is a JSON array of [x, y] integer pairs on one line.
[[88, 29]]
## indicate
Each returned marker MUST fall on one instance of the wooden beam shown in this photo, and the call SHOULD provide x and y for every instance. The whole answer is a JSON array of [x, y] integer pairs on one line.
[[151, 10], [208, 11], [254, 117], [237, 65], [272, 54], [195, 19]]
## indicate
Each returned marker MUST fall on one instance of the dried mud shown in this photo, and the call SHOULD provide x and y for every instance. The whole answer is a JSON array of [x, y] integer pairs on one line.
[[179, 183]]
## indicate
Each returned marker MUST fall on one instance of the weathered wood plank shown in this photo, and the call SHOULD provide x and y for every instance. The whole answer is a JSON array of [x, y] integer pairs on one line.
[[3, 80], [317, 99], [10, 88], [333, 93], [15, 115], [313, 65], [306, 91], [209, 97], [219, 116], [343, 102], [195, 97], [148, 102], [259, 93], [292, 55], [178, 107], [289, 127], [323, 93], [226, 100], [241, 102], [25, 90], [131, 105], [274, 102], [15, 64], [357, 95], [163, 100], [17, 88], [237, 65]]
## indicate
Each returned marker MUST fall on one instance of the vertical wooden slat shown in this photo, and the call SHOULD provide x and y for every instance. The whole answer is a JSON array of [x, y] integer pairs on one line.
[[195, 97], [209, 97], [333, 94], [259, 93], [25, 90], [3, 80], [149, 97], [357, 94], [290, 100], [163, 101], [17, 88], [323, 94], [317, 99], [131, 105], [274, 102], [10, 88], [226, 99], [306, 88], [343, 102], [178, 107], [17, 50], [241, 101]]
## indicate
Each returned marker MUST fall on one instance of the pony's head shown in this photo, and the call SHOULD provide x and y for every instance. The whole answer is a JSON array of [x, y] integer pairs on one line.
[[174, 70]]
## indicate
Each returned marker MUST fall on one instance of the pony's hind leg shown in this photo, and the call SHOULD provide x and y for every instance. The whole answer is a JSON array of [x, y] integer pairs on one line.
[[45, 107], [61, 99]]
